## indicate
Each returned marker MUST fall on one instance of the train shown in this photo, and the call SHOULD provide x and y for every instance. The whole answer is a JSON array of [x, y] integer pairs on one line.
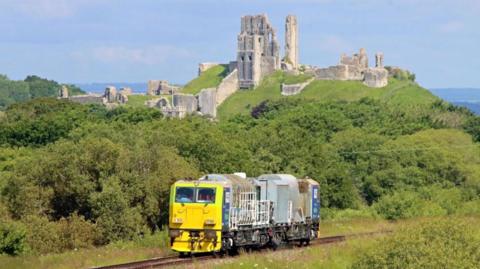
[[223, 213]]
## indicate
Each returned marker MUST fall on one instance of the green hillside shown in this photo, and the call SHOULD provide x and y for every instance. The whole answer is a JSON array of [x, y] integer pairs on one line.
[[208, 79], [397, 92], [17, 91]]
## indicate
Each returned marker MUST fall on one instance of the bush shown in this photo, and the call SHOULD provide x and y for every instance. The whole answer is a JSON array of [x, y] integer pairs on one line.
[[115, 220], [12, 238], [76, 232], [441, 243], [406, 204], [43, 236], [348, 214]]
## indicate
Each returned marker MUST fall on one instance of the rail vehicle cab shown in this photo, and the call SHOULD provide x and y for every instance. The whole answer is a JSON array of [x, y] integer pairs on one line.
[[223, 212], [195, 216]]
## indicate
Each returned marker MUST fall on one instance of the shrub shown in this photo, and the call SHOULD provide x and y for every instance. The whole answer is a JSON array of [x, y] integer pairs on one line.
[[347, 214], [43, 236], [406, 204], [12, 238], [115, 220], [441, 243], [470, 208], [76, 232]]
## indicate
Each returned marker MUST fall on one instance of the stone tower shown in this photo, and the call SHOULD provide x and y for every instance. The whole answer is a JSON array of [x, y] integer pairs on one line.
[[291, 41], [63, 92], [379, 60], [110, 94], [363, 58], [257, 51]]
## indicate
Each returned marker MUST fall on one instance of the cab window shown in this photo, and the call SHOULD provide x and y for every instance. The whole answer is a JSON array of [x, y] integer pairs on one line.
[[206, 195], [184, 195]]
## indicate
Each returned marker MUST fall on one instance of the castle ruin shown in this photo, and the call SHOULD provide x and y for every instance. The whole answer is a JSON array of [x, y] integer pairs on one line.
[[160, 87], [257, 56], [291, 61], [110, 97], [257, 50], [355, 67]]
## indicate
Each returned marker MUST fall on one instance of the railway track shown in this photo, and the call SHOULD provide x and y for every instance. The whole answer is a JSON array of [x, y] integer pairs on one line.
[[175, 260]]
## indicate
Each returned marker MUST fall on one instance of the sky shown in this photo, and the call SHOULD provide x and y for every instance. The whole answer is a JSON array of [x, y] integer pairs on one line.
[[81, 41]]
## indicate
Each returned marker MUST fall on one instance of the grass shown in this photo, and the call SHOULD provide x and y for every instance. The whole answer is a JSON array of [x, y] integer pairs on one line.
[[396, 93], [137, 100], [291, 79], [338, 256], [334, 256], [328, 257], [208, 79], [155, 246], [119, 252]]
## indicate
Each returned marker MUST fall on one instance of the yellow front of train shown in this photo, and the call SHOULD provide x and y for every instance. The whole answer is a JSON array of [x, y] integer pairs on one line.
[[195, 216]]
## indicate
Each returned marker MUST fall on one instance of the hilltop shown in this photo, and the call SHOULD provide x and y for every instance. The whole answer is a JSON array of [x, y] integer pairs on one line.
[[398, 92], [15, 91], [210, 78]]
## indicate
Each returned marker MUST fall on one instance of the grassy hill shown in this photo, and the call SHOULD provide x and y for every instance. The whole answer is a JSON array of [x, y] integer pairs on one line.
[[397, 92], [137, 100], [17, 91], [208, 79]]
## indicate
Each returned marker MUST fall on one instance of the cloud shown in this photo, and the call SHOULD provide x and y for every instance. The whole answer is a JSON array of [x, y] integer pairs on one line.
[[148, 55], [51, 9], [451, 27]]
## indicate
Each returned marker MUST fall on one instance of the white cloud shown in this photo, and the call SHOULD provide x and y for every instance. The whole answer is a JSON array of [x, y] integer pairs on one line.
[[148, 55], [48, 8]]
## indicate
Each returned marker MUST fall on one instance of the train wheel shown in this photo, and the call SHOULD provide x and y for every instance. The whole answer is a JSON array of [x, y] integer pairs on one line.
[[233, 251]]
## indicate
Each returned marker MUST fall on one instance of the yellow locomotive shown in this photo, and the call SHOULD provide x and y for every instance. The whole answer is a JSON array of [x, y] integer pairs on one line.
[[220, 213]]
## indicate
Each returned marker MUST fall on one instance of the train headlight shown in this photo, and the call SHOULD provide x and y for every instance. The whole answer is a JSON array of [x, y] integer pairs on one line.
[[174, 233], [210, 234], [209, 222], [177, 220]]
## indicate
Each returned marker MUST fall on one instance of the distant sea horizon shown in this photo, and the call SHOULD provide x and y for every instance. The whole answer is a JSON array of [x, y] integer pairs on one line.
[[466, 97], [99, 87]]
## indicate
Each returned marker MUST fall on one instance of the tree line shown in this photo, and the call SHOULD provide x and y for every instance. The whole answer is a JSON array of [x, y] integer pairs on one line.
[[71, 171]]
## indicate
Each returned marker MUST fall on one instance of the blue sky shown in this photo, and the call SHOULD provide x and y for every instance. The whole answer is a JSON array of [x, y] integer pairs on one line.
[[134, 41]]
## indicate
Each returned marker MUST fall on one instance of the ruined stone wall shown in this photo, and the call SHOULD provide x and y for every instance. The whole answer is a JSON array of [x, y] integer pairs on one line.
[[110, 94], [232, 65], [63, 92], [174, 112], [122, 98], [294, 89], [202, 67], [185, 100], [338, 72], [126, 91], [87, 99], [376, 77], [158, 87], [152, 87], [359, 60], [207, 102], [291, 41], [158, 103], [227, 87]]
